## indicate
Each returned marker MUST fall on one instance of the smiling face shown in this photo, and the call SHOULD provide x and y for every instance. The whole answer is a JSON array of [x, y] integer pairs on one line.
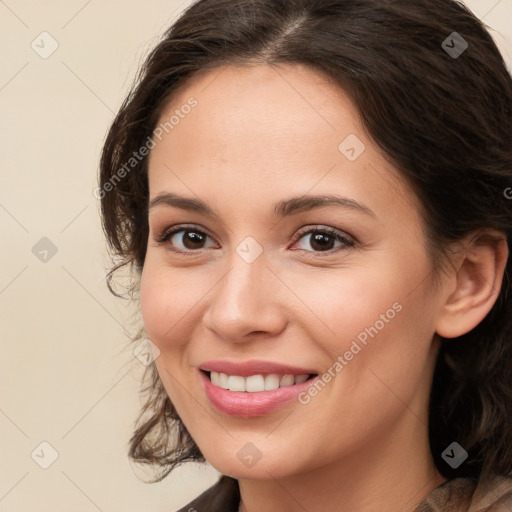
[[258, 271]]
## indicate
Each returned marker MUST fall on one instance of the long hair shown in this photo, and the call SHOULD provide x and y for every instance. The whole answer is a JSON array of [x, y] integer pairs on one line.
[[433, 92]]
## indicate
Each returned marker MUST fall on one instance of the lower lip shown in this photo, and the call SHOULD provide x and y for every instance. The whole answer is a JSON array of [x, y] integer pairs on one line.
[[251, 405]]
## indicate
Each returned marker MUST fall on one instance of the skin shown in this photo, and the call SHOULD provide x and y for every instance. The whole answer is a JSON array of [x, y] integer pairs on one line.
[[259, 135]]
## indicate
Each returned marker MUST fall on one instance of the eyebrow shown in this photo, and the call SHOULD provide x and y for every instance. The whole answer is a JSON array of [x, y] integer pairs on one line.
[[281, 209]]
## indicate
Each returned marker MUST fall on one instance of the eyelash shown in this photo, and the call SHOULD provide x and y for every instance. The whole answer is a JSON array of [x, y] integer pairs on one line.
[[166, 235]]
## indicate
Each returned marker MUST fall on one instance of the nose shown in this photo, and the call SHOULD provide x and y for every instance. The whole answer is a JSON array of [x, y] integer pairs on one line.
[[246, 303]]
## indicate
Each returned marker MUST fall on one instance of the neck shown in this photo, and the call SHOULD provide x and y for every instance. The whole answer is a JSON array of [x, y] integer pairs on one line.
[[393, 474]]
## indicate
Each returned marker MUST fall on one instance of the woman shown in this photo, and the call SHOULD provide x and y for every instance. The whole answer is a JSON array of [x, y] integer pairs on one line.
[[313, 197]]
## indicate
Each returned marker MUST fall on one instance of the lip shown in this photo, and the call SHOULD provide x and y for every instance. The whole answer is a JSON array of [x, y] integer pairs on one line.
[[253, 367], [251, 405]]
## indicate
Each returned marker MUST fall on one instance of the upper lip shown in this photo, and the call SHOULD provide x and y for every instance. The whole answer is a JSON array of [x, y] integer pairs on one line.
[[254, 367]]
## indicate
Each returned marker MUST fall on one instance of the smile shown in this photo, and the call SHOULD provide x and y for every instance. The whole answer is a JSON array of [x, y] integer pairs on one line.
[[255, 383], [253, 395]]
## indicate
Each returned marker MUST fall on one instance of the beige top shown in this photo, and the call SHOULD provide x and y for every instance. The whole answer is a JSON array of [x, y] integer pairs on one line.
[[467, 495], [457, 495]]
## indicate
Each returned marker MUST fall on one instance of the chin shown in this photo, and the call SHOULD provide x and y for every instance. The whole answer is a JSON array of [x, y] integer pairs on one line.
[[238, 464]]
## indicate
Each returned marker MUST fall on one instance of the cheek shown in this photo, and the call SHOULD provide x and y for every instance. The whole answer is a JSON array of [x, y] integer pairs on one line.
[[152, 303], [387, 361], [167, 299], [166, 304], [379, 321], [342, 305]]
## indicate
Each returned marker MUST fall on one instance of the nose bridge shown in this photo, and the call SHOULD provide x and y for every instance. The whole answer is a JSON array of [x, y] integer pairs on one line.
[[244, 301]]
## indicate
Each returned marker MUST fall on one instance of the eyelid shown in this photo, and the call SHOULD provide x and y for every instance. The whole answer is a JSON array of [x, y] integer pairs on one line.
[[167, 231], [165, 234], [348, 240], [339, 235]]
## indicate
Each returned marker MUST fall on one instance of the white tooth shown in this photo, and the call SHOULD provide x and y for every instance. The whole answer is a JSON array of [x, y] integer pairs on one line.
[[223, 380], [287, 380], [255, 383], [214, 377], [236, 383], [271, 382]]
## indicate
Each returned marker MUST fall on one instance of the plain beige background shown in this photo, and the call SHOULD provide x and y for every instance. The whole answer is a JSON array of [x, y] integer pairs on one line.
[[68, 376]]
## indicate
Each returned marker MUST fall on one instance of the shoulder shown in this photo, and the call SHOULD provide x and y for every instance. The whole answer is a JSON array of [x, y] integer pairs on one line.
[[466, 494], [494, 494], [223, 496]]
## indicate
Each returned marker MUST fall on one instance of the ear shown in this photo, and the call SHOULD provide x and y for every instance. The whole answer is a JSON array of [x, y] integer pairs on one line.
[[475, 284]]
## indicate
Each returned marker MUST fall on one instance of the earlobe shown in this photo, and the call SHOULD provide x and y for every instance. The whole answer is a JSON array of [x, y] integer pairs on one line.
[[478, 281]]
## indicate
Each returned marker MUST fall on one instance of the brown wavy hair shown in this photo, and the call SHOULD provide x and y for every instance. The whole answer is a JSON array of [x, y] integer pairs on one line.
[[444, 121]]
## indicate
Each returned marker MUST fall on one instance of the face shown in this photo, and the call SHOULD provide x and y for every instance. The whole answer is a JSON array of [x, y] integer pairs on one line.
[[247, 276]]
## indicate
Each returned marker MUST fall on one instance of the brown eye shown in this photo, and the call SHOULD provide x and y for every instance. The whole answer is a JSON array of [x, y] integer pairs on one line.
[[184, 239], [323, 240], [192, 239]]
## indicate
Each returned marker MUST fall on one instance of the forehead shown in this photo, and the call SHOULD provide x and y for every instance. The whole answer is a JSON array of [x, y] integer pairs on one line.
[[263, 106], [261, 130]]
